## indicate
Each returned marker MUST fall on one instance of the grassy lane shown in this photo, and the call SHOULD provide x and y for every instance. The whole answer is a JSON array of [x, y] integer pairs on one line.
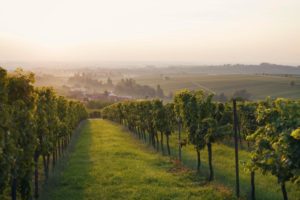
[[108, 163]]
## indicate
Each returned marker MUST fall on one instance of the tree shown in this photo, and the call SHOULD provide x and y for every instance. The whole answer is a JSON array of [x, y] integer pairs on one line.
[[159, 92], [109, 82], [106, 93], [130, 87]]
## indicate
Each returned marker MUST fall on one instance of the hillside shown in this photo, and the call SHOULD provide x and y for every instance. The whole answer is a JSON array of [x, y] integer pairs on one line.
[[259, 86]]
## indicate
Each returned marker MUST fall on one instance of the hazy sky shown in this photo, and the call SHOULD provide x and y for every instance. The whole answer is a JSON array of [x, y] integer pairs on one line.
[[200, 31]]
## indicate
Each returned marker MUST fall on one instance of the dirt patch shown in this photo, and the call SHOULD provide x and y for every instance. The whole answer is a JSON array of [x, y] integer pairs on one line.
[[178, 167]]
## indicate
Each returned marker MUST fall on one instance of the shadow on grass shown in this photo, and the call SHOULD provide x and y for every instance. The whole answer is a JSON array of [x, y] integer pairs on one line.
[[68, 180], [267, 187]]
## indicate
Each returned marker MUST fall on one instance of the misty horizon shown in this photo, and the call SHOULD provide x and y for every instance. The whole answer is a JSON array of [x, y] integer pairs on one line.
[[124, 64], [197, 32]]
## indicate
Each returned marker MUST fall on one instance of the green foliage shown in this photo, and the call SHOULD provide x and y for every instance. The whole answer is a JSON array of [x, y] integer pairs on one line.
[[131, 88], [85, 80], [247, 118], [277, 148], [145, 118], [169, 119], [98, 104], [271, 125], [5, 146], [32, 121], [22, 137], [296, 134]]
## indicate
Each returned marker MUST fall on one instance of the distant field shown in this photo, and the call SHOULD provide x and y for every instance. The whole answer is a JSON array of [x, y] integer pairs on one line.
[[108, 163], [259, 86]]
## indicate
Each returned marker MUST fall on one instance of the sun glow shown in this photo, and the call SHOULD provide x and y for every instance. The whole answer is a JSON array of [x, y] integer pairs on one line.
[[206, 31]]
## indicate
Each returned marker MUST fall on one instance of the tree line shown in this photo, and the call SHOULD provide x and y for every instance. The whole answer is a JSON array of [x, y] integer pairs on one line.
[[271, 129], [35, 124], [130, 87]]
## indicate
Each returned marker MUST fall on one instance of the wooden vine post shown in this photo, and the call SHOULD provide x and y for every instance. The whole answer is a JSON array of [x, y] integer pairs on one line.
[[179, 139], [236, 146]]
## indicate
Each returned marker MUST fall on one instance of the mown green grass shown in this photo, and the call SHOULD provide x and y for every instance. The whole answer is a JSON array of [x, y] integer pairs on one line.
[[259, 86], [108, 163]]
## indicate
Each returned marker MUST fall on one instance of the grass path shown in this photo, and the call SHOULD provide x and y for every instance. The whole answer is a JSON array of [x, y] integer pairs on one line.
[[108, 163]]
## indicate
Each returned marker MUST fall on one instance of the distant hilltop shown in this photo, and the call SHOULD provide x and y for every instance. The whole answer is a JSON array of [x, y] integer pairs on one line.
[[263, 68], [146, 68]]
